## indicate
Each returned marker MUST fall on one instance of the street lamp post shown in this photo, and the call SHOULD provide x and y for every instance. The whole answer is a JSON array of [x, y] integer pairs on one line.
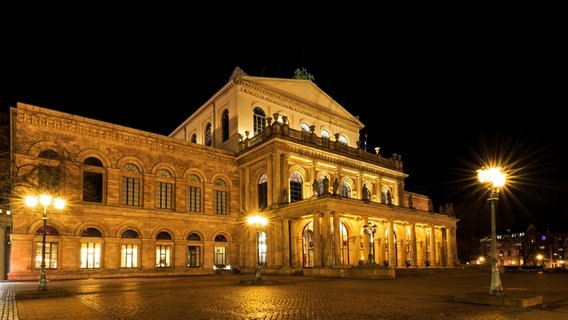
[[496, 180], [371, 228], [45, 201], [539, 258], [258, 222]]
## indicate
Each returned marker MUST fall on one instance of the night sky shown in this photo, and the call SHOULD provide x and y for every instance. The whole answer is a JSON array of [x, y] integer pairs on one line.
[[449, 101]]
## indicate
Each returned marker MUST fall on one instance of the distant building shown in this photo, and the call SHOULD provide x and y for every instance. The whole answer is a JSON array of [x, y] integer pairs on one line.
[[530, 248], [143, 204]]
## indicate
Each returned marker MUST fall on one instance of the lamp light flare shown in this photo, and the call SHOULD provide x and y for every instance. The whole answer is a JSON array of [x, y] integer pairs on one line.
[[257, 220], [492, 175], [45, 200], [58, 203], [31, 201]]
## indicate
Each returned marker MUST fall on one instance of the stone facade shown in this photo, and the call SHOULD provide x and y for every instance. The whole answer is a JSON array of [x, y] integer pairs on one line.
[[245, 151]]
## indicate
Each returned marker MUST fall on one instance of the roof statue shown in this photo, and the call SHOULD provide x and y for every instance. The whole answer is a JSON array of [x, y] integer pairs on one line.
[[302, 73]]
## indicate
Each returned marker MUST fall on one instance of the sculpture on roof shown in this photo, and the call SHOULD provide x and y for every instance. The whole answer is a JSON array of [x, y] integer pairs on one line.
[[302, 73]]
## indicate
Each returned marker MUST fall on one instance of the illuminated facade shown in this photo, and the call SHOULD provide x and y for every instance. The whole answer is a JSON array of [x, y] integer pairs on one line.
[[143, 204]]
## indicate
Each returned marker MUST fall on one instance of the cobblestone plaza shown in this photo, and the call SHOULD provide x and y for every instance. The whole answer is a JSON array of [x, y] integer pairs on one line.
[[224, 297]]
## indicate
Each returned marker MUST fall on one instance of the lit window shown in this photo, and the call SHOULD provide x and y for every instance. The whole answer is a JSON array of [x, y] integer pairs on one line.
[[90, 255], [259, 120]]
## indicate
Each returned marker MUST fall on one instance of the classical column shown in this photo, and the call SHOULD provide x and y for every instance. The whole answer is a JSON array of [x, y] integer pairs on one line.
[[326, 239], [433, 247], [317, 242], [285, 243], [337, 238], [283, 176], [391, 258], [413, 246], [380, 236], [358, 186], [453, 246]]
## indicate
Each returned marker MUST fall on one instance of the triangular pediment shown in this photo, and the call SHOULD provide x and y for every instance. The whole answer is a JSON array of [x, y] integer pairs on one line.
[[301, 90]]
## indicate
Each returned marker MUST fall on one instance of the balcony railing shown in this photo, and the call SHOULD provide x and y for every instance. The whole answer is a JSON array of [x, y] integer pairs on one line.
[[310, 139]]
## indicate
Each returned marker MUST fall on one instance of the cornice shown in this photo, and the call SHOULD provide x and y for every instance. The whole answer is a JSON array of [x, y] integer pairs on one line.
[[49, 120], [277, 145]]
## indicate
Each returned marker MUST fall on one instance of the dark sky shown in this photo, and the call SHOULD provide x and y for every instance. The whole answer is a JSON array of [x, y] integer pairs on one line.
[[445, 98]]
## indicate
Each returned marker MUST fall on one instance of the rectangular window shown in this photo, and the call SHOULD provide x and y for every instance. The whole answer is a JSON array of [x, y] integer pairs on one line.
[[92, 187], [263, 196], [129, 256], [90, 255], [220, 202], [163, 256], [130, 191], [193, 256], [262, 246], [295, 191], [50, 255], [165, 195], [194, 199], [220, 258]]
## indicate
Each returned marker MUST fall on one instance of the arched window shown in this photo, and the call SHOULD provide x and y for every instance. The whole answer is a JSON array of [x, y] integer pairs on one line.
[[221, 197], [345, 190], [91, 249], [163, 250], [305, 127], [259, 121], [220, 251], [164, 189], [164, 236], [263, 192], [194, 251], [49, 231], [308, 245], [130, 234], [129, 250], [194, 237], [225, 125], [193, 138], [343, 140], [93, 173], [194, 193], [131, 178], [295, 187], [91, 232], [208, 135], [325, 134], [92, 161], [51, 248]]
